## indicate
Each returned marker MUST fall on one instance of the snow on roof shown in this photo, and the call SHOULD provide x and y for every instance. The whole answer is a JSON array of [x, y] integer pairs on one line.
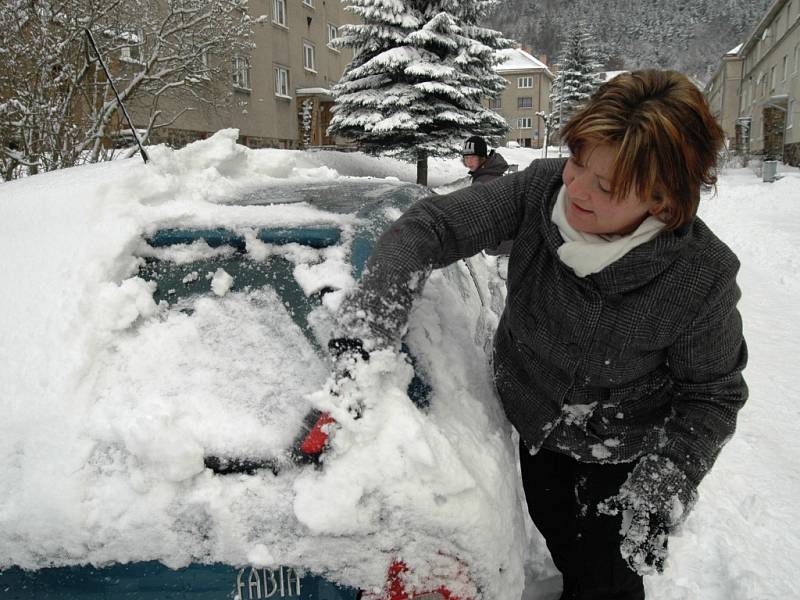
[[734, 50], [313, 91], [609, 75], [519, 60]]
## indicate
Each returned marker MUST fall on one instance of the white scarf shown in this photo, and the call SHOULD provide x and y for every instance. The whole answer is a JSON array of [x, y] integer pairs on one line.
[[588, 253]]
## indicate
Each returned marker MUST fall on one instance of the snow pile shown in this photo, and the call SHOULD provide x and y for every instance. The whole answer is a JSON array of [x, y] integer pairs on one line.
[[111, 401]]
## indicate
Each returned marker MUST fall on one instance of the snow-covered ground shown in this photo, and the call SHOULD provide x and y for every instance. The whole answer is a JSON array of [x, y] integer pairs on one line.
[[68, 238]]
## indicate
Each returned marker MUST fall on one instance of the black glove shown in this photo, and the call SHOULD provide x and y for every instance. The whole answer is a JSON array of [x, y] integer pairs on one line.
[[644, 541], [344, 346], [658, 496]]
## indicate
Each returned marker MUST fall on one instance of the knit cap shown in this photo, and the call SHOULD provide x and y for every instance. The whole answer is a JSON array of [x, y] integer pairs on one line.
[[475, 145]]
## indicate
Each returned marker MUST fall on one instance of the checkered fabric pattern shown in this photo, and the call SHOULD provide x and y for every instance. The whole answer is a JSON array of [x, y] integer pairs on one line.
[[643, 358]]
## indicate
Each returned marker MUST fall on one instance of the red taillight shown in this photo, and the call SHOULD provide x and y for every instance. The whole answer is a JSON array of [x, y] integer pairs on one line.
[[396, 588]]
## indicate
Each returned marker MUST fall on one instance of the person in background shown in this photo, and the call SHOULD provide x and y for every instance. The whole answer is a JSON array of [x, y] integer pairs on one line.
[[619, 354], [483, 166]]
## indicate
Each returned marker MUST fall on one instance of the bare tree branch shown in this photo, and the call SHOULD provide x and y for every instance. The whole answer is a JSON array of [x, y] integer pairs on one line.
[[56, 106]]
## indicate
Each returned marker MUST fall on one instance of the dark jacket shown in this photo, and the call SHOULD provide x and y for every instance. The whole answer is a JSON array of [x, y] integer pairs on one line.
[[641, 358], [493, 168]]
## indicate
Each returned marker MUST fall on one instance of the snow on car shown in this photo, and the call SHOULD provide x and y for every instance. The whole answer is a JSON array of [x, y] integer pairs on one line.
[[166, 316]]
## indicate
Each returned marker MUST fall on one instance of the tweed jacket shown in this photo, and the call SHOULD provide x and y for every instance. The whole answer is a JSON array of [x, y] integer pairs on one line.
[[643, 358]]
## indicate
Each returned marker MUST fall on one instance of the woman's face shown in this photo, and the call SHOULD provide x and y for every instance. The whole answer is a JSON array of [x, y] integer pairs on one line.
[[589, 207]]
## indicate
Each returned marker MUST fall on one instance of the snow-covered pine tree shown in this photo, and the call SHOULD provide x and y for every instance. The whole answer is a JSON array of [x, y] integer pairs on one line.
[[578, 75], [419, 73]]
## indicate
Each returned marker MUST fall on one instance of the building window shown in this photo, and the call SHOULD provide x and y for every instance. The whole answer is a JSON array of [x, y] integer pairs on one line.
[[796, 58], [282, 82], [524, 82], [772, 79], [790, 113], [132, 51], [495, 103], [279, 12], [524, 123], [308, 3], [785, 67], [333, 33], [308, 57], [525, 102], [241, 72]]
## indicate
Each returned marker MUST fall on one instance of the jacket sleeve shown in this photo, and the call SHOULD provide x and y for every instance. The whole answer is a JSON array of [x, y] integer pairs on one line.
[[433, 233], [706, 362]]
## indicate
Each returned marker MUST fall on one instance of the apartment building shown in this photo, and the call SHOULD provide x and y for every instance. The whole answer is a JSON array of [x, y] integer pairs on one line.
[[722, 92], [769, 94], [282, 89], [527, 92]]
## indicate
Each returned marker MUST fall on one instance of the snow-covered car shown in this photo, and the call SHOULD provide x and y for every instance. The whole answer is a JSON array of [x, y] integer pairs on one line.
[[168, 429]]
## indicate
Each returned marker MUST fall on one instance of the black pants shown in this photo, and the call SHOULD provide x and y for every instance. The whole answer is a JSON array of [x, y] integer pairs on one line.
[[562, 496]]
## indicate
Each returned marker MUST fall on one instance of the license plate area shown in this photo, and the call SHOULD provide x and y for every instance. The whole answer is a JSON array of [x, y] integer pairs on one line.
[[285, 582]]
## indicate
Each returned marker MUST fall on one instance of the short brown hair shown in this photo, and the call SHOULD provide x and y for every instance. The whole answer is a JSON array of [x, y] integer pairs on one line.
[[667, 137]]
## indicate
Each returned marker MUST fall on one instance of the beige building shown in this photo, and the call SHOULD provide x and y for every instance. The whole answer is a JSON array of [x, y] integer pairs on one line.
[[282, 89], [769, 95], [722, 92], [527, 92]]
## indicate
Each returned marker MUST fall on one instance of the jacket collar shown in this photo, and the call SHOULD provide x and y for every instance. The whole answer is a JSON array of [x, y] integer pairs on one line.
[[637, 268]]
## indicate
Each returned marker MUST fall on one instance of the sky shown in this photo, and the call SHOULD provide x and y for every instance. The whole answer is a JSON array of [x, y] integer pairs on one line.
[[112, 400]]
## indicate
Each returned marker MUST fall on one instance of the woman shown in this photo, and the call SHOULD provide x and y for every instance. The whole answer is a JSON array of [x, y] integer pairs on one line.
[[618, 357]]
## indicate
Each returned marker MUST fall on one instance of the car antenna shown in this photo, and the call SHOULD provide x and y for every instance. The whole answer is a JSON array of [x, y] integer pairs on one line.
[[145, 157]]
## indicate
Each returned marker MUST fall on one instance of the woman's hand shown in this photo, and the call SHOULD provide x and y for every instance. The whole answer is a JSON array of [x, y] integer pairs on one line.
[[653, 502], [644, 532], [346, 352]]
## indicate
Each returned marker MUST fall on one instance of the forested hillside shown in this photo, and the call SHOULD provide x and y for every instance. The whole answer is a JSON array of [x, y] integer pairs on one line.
[[687, 35]]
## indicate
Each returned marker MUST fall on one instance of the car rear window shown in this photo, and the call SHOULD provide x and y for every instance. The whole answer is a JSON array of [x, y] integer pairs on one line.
[[250, 339]]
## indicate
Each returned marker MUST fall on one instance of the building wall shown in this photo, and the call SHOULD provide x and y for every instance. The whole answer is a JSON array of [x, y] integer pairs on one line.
[[723, 95], [263, 116], [526, 128], [770, 89]]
